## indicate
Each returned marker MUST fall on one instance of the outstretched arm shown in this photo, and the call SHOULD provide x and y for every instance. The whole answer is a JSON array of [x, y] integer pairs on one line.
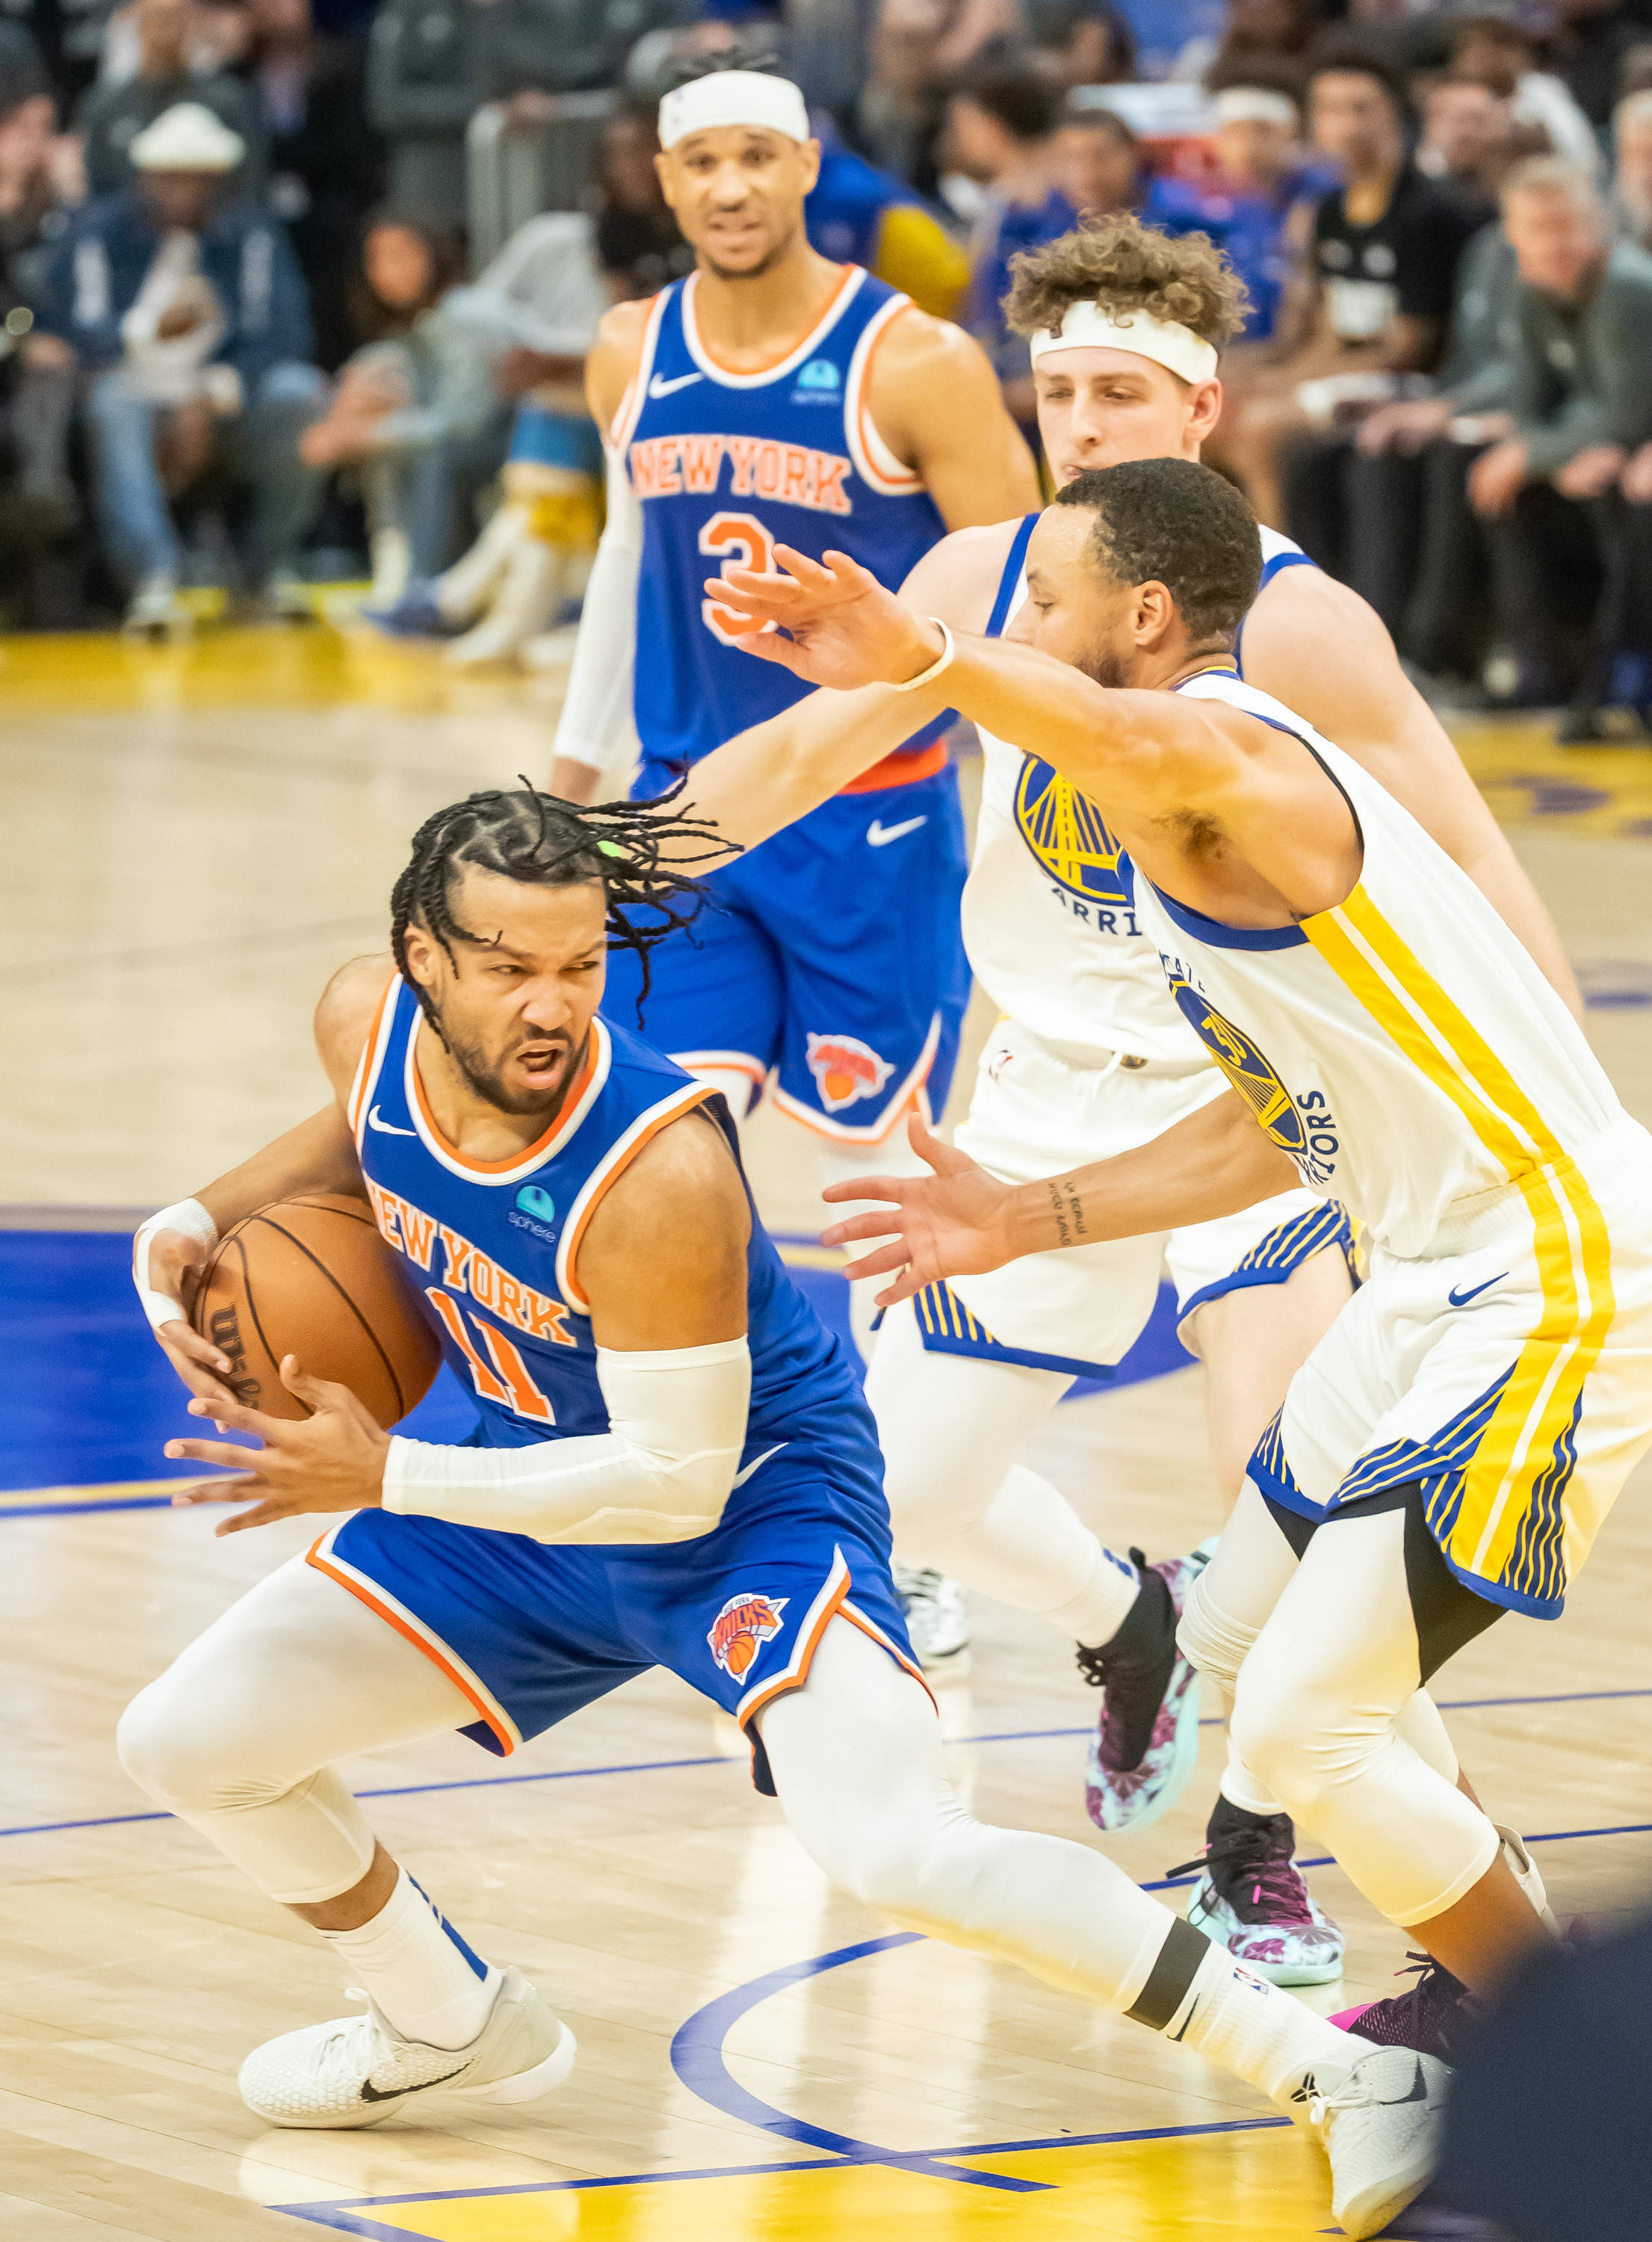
[[959, 1220]]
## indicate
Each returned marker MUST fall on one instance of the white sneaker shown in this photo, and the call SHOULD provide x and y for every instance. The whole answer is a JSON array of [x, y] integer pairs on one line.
[[157, 611], [1379, 2127], [358, 2069], [936, 1620]]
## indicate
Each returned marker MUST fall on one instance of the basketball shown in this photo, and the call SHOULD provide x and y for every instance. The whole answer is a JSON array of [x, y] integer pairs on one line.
[[312, 1277]]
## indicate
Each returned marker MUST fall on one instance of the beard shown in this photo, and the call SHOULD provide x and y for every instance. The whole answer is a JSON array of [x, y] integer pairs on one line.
[[485, 1078], [1104, 668], [765, 263]]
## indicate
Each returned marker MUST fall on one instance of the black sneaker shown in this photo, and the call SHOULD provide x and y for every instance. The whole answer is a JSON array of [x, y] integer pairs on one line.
[[1252, 1900], [1434, 2015]]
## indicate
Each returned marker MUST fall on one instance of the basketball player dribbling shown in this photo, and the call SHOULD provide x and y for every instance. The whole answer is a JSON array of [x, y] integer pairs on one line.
[[672, 1466], [1092, 1056], [774, 396], [1451, 1446]]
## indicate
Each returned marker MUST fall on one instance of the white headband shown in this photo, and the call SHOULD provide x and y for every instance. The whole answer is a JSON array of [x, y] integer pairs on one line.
[[1087, 327], [1255, 104], [722, 97]]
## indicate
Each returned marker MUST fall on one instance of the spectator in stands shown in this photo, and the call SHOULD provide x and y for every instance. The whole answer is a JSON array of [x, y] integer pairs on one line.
[[326, 169], [1379, 272], [1254, 32], [1467, 135], [186, 306], [1632, 169], [1498, 51], [1097, 161], [1583, 407], [920, 49], [1591, 39], [37, 370], [862, 216], [1001, 125], [113, 115], [416, 411], [1081, 42], [424, 71]]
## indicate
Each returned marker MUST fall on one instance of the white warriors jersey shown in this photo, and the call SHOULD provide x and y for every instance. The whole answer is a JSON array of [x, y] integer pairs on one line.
[[1048, 921], [1402, 1048]]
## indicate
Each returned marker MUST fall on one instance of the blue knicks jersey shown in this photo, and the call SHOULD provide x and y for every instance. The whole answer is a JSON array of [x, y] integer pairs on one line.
[[493, 1249], [727, 465]]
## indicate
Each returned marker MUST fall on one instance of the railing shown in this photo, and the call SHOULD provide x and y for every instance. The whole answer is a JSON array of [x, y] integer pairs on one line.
[[516, 170]]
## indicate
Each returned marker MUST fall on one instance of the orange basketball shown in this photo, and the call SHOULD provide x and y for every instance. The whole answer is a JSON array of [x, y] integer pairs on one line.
[[312, 1277]]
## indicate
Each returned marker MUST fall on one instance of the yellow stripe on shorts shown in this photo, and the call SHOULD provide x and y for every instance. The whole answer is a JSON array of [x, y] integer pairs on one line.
[[1573, 1248]]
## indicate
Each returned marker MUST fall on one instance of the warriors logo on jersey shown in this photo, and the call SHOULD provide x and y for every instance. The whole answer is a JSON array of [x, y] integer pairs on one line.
[[1065, 833], [1245, 1066]]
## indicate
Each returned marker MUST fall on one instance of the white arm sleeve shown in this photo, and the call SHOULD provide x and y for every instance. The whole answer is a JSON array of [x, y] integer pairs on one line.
[[661, 1472], [598, 727]]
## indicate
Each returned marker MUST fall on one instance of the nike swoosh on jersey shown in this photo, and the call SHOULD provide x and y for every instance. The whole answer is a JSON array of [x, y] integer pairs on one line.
[[660, 387], [387, 1128], [880, 835], [756, 1465], [370, 2093], [1461, 1299]]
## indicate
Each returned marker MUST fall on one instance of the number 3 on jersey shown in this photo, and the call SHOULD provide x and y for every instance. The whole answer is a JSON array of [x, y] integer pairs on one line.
[[736, 540]]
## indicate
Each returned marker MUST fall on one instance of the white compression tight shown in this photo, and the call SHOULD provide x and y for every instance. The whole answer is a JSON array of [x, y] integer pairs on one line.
[[949, 1427], [1320, 1659], [235, 1739]]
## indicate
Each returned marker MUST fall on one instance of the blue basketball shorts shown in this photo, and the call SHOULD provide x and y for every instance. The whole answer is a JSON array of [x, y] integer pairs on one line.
[[831, 965], [531, 1633]]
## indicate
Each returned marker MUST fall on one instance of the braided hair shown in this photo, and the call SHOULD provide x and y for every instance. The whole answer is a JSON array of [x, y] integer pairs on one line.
[[546, 842]]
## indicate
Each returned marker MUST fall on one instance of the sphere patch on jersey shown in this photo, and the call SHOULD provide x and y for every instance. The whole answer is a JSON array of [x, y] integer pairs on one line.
[[845, 1069], [742, 1627], [1245, 1066], [1066, 832]]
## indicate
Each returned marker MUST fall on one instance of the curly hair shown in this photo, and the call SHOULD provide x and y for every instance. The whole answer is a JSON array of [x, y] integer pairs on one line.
[[1126, 266], [1172, 522], [634, 850]]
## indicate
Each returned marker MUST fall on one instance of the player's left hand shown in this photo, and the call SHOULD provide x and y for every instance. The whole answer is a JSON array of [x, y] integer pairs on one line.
[[331, 1461], [845, 628]]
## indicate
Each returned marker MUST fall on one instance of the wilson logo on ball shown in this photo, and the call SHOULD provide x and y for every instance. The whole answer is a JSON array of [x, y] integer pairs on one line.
[[845, 1069]]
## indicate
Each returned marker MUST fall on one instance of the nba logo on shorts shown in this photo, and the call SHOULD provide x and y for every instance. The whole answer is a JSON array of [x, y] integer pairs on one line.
[[741, 1629], [844, 1069]]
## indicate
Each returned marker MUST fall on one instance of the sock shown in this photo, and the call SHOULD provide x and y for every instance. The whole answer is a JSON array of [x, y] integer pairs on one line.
[[424, 1978], [1197, 1994], [1102, 1610]]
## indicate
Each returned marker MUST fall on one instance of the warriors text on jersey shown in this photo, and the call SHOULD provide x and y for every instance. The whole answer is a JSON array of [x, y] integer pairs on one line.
[[727, 465]]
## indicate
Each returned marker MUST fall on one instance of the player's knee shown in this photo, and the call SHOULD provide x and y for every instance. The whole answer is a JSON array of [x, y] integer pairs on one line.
[[1300, 1735], [1212, 1642], [188, 1754]]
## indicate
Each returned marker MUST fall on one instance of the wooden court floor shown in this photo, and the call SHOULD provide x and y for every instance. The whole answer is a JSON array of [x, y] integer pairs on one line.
[[194, 838]]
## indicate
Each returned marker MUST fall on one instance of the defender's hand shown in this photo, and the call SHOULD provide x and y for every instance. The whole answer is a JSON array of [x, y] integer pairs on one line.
[[845, 628], [953, 1223], [333, 1460]]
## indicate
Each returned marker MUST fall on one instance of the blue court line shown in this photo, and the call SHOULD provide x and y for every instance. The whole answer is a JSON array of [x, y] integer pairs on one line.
[[721, 1759], [696, 2056], [343, 2216]]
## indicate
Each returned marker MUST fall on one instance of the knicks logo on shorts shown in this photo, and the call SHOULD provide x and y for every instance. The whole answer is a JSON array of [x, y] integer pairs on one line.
[[1065, 832], [1245, 1066], [742, 1627], [845, 1069]]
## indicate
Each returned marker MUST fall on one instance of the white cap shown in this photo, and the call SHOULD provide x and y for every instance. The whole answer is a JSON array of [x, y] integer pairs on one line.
[[735, 97], [1089, 326], [187, 137], [1255, 104]]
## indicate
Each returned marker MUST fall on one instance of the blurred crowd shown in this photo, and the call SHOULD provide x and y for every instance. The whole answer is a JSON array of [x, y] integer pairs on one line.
[[247, 342]]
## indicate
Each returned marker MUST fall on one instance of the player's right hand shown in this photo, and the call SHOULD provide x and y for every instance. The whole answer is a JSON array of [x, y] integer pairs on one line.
[[175, 1264], [953, 1223]]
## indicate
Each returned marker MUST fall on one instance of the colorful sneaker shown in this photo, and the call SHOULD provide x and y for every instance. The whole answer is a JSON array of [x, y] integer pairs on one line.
[[1148, 1737], [1433, 2016], [1252, 1900], [358, 2069], [937, 1622]]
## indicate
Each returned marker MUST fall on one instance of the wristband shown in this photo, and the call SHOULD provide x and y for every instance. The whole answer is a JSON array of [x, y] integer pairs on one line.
[[188, 1215], [943, 660]]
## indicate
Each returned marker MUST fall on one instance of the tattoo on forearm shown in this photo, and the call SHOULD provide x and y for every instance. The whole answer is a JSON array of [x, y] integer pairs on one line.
[[1067, 1208]]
